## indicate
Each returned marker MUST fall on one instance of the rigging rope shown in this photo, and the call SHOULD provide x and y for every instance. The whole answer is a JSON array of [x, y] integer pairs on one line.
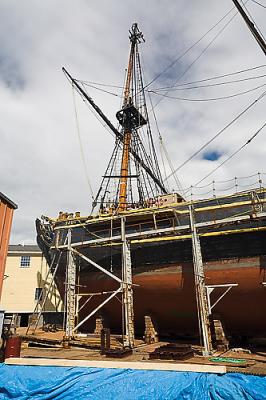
[[99, 84], [232, 155], [252, 20], [254, 1], [227, 181], [218, 76], [91, 83], [218, 134], [161, 141], [81, 146], [101, 90], [181, 86], [189, 48], [163, 148], [211, 98], [201, 53]]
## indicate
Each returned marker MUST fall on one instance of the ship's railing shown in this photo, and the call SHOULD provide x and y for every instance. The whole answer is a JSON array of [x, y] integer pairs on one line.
[[239, 212], [231, 186], [247, 199]]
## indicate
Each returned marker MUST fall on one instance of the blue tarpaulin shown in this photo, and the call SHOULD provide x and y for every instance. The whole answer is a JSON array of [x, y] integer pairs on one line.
[[33, 382]]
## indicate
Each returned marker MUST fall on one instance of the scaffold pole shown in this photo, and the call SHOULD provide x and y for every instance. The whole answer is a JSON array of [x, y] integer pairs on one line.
[[201, 294], [70, 290], [127, 293]]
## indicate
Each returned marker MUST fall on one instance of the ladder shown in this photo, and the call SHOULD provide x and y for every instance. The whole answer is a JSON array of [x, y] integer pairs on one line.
[[37, 313]]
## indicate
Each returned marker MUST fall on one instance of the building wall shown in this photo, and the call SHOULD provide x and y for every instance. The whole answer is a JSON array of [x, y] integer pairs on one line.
[[20, 282], [6, 214]]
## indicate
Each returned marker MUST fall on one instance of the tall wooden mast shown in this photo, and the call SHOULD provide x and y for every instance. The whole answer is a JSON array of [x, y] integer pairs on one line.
[[135, 38], [133, 174]]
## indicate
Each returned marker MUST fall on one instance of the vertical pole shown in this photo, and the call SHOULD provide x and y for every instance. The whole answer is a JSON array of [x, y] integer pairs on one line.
[[70, 290], [124, 171], [127, 294], [201, 294], [127, 132]]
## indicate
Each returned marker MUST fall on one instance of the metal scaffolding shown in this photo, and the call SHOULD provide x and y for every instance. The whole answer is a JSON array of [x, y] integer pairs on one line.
[[70, 288], [127, 289], [72, 252], [201, 294], [72, 297], [203, 291]]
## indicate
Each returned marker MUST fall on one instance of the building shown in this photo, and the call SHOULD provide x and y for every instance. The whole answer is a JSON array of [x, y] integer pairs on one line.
[[26, 281], [7, 208]]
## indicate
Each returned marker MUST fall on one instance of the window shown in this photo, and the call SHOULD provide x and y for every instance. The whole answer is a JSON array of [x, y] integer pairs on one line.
[[38, 293], [25, 261]]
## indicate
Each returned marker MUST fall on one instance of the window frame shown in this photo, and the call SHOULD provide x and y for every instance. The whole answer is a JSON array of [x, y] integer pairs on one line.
[[25, 261], [38, 294]]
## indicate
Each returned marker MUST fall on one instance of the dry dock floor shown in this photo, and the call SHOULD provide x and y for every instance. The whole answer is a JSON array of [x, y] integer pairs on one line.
[[84, 351]]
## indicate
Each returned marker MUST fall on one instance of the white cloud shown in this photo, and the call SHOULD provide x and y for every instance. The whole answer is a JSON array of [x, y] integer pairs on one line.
[[39, 151]]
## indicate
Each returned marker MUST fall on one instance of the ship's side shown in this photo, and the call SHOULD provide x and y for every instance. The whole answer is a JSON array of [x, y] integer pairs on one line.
[[167, 294], [232, 232]]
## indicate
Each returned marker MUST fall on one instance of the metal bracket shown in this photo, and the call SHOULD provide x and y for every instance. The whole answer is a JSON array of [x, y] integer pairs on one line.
[[211, 288]]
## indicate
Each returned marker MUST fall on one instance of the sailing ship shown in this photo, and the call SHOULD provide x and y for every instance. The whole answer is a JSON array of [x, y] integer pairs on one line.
[[232, 231]]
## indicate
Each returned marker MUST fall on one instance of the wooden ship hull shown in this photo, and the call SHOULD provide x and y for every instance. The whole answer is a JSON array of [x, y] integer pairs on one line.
[[232, 232], [144, 235]]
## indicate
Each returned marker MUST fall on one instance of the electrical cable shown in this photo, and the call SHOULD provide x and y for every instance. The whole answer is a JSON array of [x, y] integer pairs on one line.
[[218, 134]]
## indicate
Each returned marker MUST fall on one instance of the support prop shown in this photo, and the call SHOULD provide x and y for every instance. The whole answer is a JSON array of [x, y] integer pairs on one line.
[[201, 296]]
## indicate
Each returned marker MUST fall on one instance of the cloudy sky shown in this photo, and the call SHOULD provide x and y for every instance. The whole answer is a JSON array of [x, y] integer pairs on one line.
[[40, 159]]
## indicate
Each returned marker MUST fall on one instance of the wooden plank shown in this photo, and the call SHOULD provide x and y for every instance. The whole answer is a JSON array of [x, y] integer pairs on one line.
[[144, 365]]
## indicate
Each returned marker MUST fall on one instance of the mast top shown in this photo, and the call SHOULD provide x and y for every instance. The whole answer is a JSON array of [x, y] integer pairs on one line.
[[132, 178], [135, 35]]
